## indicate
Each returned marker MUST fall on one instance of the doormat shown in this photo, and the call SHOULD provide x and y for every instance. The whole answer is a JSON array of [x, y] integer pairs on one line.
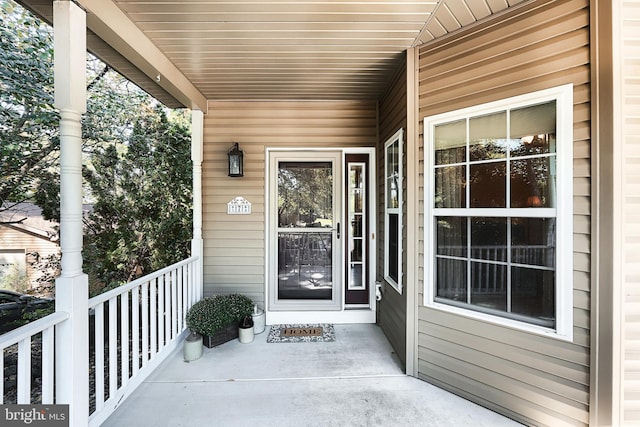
[[322, 332]]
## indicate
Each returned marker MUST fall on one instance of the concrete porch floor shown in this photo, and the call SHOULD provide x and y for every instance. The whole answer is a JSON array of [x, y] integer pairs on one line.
[[355, 381]]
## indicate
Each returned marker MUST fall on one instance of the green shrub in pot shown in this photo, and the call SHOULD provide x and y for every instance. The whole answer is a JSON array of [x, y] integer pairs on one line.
[[213, 314]]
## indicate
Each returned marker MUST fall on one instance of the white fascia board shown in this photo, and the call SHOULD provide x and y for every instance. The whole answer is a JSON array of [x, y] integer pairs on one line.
[[107, 21]]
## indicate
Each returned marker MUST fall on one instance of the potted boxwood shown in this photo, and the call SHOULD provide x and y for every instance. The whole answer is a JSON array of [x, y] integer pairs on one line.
[[217, 318]]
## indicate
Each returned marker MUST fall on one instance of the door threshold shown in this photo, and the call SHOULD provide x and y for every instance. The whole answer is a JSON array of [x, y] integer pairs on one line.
[[366, 315], [357, 307]]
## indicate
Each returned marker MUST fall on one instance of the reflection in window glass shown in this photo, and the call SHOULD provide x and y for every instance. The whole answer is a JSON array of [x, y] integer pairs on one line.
[[451, 280], [494, 207], [489, 285], [488, 185], [489, 238], [487, 137], [533, 241], [393, 210], [450, 143], [533, 293], [451, 184], [451, 236], [392, 247], [533, 182], [305, 194]]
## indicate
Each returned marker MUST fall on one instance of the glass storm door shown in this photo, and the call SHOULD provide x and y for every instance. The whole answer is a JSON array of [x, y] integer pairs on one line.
[[307, 231]]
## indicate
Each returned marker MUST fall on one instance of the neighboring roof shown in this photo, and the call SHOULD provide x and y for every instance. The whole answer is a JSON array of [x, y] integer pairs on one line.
[[28, 217], [286, 50]]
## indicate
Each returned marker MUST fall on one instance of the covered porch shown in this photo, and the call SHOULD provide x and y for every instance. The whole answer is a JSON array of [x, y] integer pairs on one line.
[[355, 380], [340, 75]]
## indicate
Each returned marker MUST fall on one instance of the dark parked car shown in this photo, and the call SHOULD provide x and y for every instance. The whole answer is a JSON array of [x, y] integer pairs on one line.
[[16, 309]]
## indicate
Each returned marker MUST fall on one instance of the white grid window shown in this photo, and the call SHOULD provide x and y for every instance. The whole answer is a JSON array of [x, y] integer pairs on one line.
[[393, 211], [498, 223]]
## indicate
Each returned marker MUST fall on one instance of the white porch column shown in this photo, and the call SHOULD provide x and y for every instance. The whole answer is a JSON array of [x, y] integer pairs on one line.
[[197, 124], [72, 343]]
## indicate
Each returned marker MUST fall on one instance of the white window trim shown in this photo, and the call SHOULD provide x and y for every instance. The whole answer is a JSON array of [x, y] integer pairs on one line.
[[563, 95], [397, 137]]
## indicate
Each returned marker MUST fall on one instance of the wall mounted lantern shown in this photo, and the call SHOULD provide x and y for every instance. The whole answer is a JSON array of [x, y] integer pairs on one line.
[[235, 161]]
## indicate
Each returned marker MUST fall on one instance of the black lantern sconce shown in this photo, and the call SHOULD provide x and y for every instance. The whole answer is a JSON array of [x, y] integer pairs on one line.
[[235, 161]]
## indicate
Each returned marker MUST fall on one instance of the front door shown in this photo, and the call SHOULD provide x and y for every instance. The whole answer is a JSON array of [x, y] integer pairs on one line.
[[319, 231]]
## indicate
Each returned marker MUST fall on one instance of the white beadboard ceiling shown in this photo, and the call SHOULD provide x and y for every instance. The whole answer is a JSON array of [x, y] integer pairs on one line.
[[273, 50]]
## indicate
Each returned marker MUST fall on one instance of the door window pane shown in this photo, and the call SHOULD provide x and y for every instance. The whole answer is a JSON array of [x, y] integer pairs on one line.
[[305, 265], [305, 194], [305, 201]]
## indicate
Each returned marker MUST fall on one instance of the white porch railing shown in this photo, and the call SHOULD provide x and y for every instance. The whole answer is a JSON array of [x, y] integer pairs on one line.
[[133, 328], [22, 338]]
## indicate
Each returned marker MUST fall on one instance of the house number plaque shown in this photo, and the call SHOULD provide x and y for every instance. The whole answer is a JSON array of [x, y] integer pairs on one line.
[[239, 206]]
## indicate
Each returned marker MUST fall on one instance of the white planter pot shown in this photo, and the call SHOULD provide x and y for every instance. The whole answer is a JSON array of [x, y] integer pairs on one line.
[[192, 349], [259, 319], [246, 335]]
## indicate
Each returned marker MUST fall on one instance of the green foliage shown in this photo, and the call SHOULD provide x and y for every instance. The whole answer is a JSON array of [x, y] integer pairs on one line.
[[141, 220], [28, 120], [137, 164], [213, 314], [13, 277], [49, 268], [29, 314]]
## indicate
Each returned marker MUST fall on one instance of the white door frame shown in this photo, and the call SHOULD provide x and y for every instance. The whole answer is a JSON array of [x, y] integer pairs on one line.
[[365, 314]]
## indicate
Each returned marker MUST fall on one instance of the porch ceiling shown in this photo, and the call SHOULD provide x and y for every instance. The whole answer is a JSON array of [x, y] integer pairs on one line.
[[269, 50]]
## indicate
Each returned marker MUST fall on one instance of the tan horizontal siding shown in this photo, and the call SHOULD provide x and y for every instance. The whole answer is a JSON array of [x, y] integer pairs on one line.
[[234, 245], [532, 378], [392, 310], [629, 107], [14, 239]]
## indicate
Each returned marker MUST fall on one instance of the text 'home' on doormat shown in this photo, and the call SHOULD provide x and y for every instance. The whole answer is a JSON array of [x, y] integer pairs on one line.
[[302, 333]]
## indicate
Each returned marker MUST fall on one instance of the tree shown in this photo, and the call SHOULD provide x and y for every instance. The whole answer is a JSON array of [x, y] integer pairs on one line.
[[136, 153], [28, 121], [141, 220]]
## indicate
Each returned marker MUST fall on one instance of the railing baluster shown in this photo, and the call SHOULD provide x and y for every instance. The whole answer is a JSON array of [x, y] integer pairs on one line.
[[99, 354], [124, 338], [174, 308], [160, 313], [22, 338], [154, 318], [24, 371], [47, 360], [135, 331], [113, 347], [179, 301], [144, 293], [158, 304], [167, 307], [2, 382]]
